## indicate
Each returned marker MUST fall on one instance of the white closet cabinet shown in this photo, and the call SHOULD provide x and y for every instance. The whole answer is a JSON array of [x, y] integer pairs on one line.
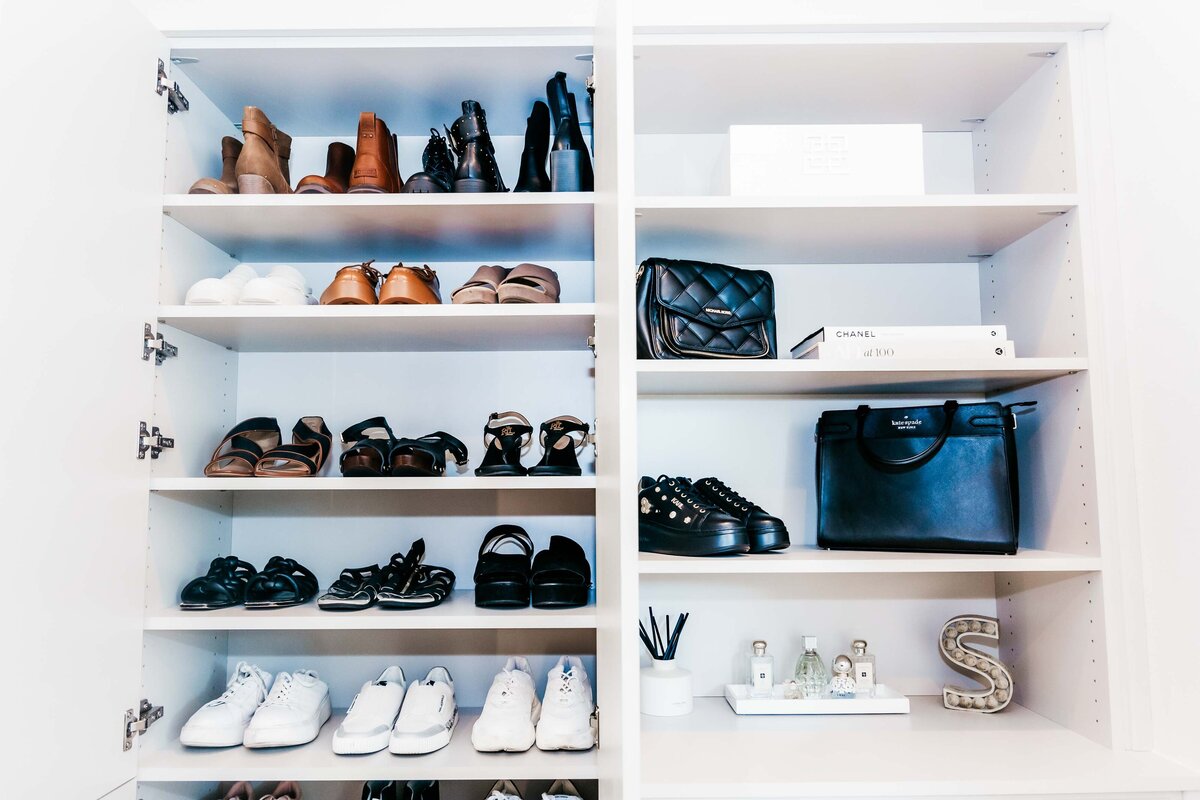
[[1011, 230]]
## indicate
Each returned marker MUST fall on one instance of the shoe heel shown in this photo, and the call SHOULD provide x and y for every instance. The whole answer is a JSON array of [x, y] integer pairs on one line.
[[565, 168], [472, 185], [254, 184]]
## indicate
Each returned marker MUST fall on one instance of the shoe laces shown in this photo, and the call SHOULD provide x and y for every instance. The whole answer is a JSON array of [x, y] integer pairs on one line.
[[373, 275], [568, 686], [725, 493], [683, 488], [281, 692], [243, 676]]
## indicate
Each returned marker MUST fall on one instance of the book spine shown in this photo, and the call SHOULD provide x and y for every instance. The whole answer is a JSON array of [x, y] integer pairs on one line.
[[912, 349], [918, 333]]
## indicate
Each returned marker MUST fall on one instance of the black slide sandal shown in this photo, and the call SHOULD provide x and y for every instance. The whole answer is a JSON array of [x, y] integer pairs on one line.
[[426, 587], [561, 575], [425, 457], [560, 447], [505, 436], [355, 589], [223, 587], [502, 579], [283, 582], [370, 443]]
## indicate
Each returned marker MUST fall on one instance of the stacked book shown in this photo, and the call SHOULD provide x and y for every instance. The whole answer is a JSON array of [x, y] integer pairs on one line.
[[907, 341]]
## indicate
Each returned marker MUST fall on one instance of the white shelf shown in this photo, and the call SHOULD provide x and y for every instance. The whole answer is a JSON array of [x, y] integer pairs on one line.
[[413, 227], [322, 329], [882, 376], [929, 752], [919, 229], [456, 613], [338, 484], [809, 559], [316, 761]]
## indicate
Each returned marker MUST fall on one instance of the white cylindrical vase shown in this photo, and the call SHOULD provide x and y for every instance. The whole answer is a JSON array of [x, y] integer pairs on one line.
[[666, 689]]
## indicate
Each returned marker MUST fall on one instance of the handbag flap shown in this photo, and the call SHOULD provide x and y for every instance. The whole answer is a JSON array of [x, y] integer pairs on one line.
[[715, 295]]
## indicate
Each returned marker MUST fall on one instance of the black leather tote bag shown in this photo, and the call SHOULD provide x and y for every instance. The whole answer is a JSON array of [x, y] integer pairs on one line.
[[923, 479], [692, 309]]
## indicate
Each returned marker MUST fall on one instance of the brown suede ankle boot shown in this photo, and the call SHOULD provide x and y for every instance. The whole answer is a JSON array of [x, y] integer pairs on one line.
[[259, 169], [375, 167], [231, 148], [338, 163]]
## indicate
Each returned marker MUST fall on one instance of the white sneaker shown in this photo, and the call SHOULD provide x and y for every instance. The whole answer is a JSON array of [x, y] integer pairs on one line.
[[284, 286], [567, 707], [368, 723], [504, 790], [510, 712], [223, 291], [222, 722], [428, 716], [562, 790], [296, 708]]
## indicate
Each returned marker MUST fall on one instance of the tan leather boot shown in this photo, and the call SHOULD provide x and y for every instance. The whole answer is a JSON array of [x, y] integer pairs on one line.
[[352, 286], [375, 160], [231, 148], [258, 167], [283, 148], [410, 286], [336, 180]]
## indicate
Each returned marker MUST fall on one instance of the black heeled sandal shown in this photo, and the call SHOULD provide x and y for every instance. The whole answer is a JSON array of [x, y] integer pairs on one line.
[[223, 587], [283, 582], [560, 448], [506, 436], [502, 579], [304, 457], [561, 575], [425, 457], [370, 444]]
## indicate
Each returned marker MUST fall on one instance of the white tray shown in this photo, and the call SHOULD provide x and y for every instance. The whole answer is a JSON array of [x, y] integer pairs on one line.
[[885, 701]]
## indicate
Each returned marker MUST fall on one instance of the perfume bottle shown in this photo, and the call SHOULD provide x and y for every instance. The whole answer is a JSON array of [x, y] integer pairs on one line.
[[810, 670], [864, 669], [762, 671], [842, 682]]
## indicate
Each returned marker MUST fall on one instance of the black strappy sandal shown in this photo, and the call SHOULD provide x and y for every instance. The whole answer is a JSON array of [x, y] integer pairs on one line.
[[370, 443], [239, 452], [425, 457], [506, 435], [410, 584], [561, 575], [223, 587], [355, 589], [560, 448], [304, 457], [283, 582], [502, 579]]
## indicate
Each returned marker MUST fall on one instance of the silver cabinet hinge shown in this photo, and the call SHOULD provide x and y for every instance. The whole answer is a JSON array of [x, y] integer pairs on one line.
[[591, 343], [139, 723], [152, 440], [155, 343], [176, 102]]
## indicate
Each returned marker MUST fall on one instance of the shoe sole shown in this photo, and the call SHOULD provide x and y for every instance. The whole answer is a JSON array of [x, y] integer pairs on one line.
[[655, 539], [201, 738], [299, 733], [349, 745], [767, 539], [496, 744], [473, 186], [254, 184], [548, 739], [411, 745]]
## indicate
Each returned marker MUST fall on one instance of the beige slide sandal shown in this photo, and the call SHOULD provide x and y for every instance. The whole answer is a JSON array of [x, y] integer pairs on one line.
[[481, 288], [529, 283]]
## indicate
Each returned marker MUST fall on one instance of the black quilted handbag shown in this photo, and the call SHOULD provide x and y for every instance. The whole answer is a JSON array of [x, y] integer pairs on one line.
[[692, 309]]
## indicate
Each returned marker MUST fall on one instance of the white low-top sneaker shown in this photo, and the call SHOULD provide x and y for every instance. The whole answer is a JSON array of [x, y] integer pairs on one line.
[[284, 286], [294, 712], [567, 708], [368, 724], [428, 716], [222, 722], [510, 712], [562, 790], [504, 790], [223, 291]]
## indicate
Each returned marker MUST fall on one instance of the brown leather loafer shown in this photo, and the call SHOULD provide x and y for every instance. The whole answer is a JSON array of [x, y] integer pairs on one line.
[[352, 286], [376, 167], [336, 180], [260, 166], [410, 285], [231, 148]]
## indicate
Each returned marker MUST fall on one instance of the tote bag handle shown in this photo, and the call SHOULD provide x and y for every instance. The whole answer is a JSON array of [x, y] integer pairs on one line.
[[949, 408]]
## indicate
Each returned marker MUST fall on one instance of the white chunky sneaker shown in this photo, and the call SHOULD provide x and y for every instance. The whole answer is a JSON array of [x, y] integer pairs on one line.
[[223, 291], [428, 716], [510, 712], [566, 722], [284, 286], [368, 723], [562, 790], [504, 790], [294, 712], [222, 722]]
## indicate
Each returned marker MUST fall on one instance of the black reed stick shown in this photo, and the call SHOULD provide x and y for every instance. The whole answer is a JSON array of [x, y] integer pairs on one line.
[[662, 643]]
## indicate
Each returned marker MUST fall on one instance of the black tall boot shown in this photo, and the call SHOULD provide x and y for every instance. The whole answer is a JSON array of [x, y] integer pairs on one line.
[[438, 164], [533, 177], [477, 168], [570, 163]]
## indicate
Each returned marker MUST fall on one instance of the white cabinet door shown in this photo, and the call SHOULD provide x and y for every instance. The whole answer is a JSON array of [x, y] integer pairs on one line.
[[83, 137]]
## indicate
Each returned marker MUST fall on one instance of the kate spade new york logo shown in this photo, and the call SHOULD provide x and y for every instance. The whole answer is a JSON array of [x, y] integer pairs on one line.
[[907, 423]]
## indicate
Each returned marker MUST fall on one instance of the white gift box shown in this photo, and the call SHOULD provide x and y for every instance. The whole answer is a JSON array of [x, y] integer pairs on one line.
[[779, 160]]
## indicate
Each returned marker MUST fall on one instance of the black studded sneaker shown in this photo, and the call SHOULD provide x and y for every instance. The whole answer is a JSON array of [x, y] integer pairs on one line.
[[765, 531], [673, 519]]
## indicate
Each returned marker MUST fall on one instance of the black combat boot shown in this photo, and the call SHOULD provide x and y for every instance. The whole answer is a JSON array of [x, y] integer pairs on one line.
[[438, 164], [477, 169], [533, 176], [570, 163]]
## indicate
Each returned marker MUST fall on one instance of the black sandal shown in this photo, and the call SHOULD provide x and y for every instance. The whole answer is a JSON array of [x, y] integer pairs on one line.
[[223, 587], [304, 457], [561, 575], [560, 447], [355, 589], [425, 457], [239, 452], [283, 582], [370, 443], [506, 435], [426, 587], [502, 579]]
